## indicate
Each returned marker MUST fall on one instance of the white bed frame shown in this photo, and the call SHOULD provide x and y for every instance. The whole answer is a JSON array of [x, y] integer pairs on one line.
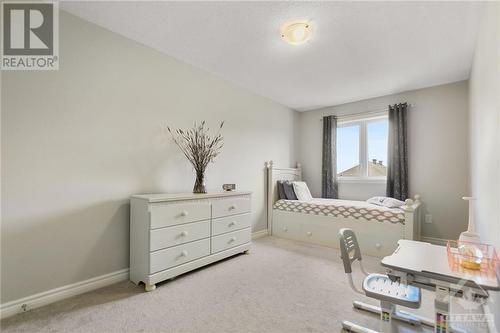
[[375, 238]]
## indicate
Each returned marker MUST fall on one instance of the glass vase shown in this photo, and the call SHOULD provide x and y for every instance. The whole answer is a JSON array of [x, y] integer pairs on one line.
[[199, 184]]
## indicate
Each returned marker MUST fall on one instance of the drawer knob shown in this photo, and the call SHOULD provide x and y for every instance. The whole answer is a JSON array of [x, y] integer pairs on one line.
[[309, 233], [184, 233], [231, 224], [232, 239], [184, 253], [184, 213], [233, 207]]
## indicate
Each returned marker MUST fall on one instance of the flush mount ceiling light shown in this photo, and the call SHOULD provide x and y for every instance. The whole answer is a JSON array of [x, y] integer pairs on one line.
[[296, 33]]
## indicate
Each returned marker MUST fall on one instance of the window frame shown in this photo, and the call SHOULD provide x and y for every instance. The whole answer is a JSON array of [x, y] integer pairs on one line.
[[362, 121]]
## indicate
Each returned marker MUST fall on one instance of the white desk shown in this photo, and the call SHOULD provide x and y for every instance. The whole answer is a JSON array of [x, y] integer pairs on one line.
[[426, 265]]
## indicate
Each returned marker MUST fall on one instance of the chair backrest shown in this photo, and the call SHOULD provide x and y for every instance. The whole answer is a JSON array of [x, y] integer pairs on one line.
[[349, 248]]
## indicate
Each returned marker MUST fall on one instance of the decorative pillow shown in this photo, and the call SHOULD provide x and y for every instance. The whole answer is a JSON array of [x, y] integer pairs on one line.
[[393, 203], [386, 202], [289, 192], [281, 190], [302, 191], [379, 201]]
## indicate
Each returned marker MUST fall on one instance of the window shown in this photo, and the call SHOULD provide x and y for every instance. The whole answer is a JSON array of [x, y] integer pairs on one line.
[[376, 136], [362, 148], [348, 151]]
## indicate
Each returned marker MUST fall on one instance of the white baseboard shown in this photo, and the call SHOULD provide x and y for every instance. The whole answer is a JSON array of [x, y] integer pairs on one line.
[[433, 240], [57, 294], [259, 234], [47, 297]]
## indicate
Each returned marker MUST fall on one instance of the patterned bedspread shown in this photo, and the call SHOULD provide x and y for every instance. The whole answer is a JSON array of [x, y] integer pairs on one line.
[[342, 208]]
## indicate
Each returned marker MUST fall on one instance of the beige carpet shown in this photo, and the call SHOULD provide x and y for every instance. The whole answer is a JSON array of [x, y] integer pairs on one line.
[[281, 286]]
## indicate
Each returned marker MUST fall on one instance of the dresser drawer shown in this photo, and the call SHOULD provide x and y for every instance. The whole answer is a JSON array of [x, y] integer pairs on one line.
[[163, 215], [230, 223], [179, 234], [177, 255], [230, 206], [229, 240]]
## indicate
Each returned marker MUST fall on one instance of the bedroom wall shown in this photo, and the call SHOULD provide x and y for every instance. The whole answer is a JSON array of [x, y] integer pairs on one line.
[[438, 132], [76, 143], [485, 133]]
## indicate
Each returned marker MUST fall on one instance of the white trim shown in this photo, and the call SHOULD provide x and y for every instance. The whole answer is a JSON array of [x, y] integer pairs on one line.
[[260, 234], [50, 296], [367, 116], [361, 180], [434, 240], [362, 123]]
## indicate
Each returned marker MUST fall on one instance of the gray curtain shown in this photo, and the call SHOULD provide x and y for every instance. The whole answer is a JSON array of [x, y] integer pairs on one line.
[[397, 171], [329, 185]]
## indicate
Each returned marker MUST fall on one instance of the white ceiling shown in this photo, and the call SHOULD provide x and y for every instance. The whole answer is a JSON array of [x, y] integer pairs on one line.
[[359, 49]]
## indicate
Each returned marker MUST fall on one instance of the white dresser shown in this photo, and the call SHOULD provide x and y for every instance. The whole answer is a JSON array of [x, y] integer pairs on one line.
[[171, 234]]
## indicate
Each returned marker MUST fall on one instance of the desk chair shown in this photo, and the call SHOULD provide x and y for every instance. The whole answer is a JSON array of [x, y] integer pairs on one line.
[[378, 286]]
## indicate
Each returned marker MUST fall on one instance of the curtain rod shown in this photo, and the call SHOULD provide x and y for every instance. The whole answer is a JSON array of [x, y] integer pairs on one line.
[[364, 112]]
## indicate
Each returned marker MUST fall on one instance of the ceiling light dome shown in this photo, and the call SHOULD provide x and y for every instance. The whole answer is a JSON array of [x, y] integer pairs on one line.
[[296, 33]]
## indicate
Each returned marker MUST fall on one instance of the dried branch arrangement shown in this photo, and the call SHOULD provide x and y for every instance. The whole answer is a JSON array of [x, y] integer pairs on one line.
[[200, 148]]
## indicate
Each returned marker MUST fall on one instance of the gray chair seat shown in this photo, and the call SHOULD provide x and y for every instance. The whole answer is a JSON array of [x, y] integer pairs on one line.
[[380, 287]]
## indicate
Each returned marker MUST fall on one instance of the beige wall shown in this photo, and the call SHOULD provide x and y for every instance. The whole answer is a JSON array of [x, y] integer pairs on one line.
[[77, 142], [485, 133], [438, 147]]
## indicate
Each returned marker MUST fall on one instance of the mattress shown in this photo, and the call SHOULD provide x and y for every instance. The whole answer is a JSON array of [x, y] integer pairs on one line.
[[343, 208]]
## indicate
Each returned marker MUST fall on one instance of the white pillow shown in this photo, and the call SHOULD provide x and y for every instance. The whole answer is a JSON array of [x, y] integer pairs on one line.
[[379, 201], [386, 202], [302, 191], [393, 203]]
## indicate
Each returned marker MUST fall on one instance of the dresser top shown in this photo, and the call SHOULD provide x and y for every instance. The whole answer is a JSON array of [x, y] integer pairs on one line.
[[159, 197]]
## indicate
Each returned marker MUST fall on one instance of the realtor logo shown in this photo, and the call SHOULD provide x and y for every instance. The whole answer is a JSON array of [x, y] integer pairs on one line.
[[30, 36]]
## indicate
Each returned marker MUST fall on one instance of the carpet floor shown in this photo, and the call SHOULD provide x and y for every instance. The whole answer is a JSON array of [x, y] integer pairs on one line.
[[281, 286]]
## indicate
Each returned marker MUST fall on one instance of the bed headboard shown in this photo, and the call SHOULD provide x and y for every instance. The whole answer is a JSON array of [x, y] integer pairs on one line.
[[274, 174]]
